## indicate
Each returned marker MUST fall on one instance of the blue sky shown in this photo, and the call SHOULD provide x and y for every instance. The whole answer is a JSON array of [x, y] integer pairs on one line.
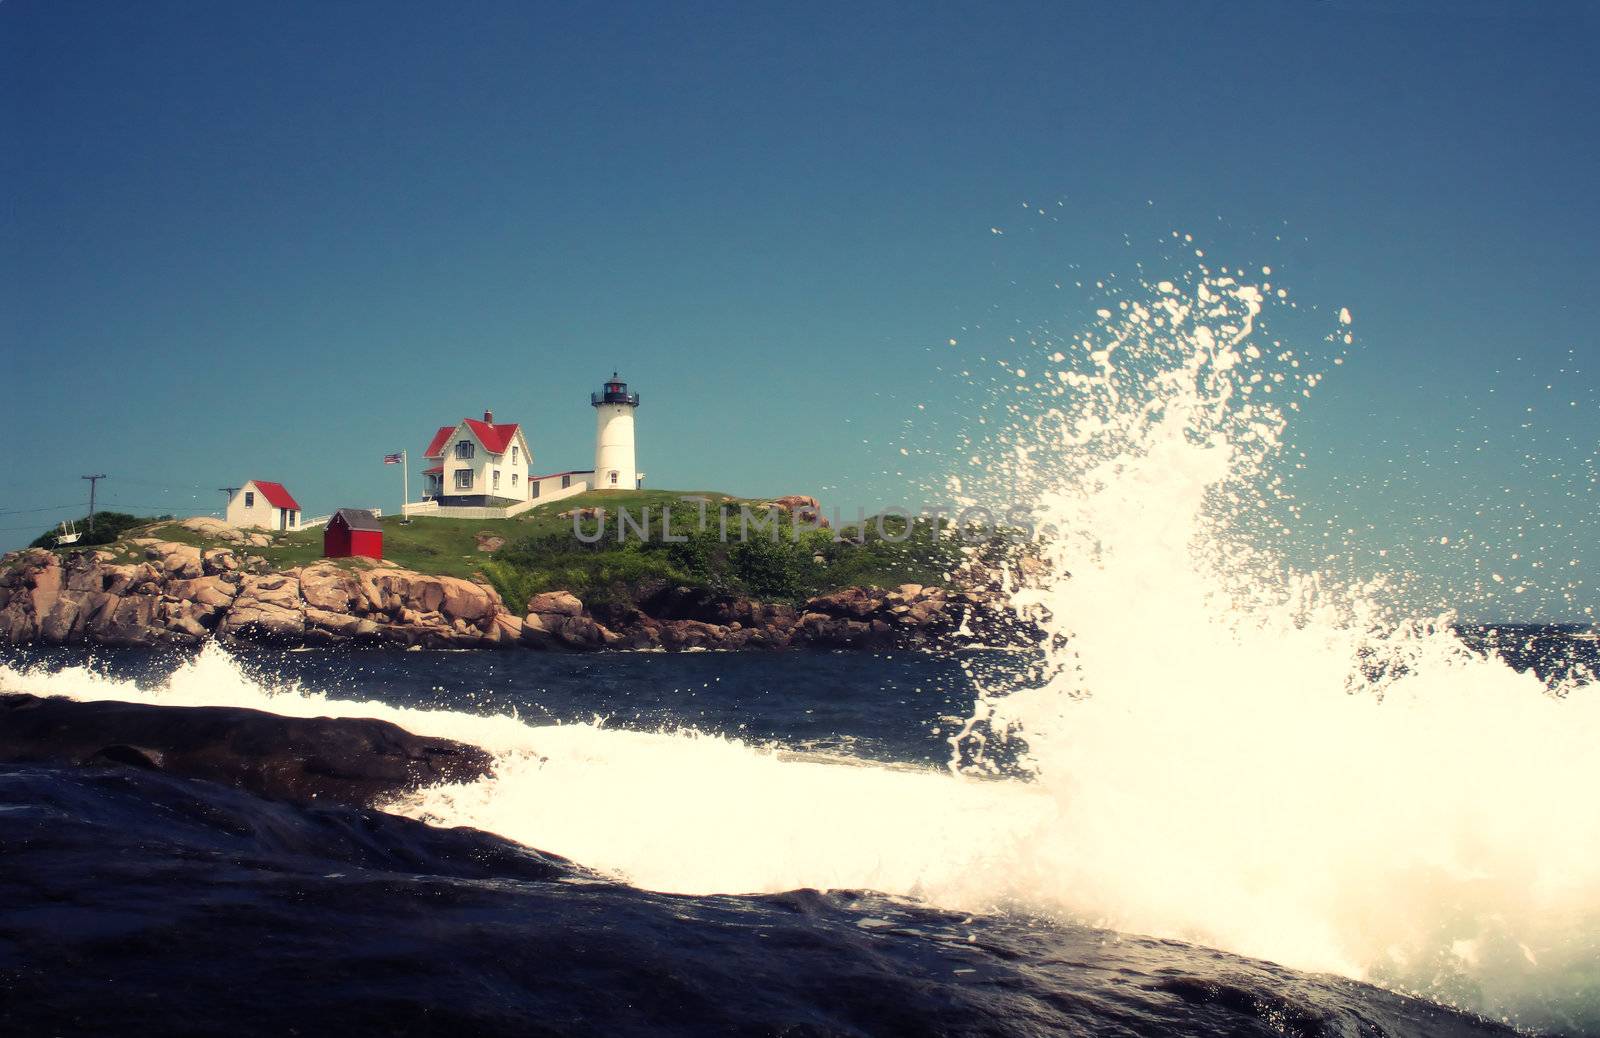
[[279, 240]]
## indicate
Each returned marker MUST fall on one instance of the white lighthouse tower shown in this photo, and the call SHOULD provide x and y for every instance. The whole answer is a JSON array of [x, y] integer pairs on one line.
[[614, 462]]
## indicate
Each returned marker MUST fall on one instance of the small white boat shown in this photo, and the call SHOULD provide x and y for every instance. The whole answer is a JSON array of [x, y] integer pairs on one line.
[[69, 533]]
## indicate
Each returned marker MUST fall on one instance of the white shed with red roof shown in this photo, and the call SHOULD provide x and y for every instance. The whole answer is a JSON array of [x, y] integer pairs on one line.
[[264, 505]]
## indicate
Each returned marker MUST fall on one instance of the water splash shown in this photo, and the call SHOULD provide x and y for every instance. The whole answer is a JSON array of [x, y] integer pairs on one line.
[[1260, 758]]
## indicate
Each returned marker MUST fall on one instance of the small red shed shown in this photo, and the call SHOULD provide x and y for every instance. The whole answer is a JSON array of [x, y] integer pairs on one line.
[[352, 531]]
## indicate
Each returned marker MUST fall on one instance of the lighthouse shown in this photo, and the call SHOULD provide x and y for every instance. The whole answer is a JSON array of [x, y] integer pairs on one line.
[[614, 462]]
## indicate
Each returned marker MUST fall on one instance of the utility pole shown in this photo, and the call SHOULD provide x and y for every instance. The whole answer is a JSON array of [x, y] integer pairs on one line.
[[230, 491], [92, 481]]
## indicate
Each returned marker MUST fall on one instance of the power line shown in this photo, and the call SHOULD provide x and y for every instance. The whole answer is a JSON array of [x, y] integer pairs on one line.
[[179, 490], [143, 508], [182, 498], [112, 504]]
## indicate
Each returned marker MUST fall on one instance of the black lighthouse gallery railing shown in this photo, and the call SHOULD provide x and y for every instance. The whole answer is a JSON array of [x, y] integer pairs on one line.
[[614, 393]]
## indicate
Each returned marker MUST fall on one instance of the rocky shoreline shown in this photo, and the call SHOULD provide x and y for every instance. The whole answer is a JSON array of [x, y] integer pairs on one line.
[[182, 595], [357, 761]]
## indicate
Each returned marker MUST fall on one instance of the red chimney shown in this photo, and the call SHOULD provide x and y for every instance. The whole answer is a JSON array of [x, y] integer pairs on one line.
[[488, 417]]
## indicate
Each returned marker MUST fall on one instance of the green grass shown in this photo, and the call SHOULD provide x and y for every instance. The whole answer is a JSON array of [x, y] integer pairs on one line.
[[792, 566], [444, 546], [546, 518], [447, 547]]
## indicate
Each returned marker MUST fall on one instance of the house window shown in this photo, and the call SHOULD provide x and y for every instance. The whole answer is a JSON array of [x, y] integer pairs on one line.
[[464, 450], [497, 479], [534, 486], [513, 454], [566, 481], [463, 479], [613, 477], [249, 499], [513, 479]]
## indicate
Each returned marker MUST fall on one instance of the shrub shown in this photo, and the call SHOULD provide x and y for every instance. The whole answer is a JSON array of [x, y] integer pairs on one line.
[[108, 526], [783, 568]]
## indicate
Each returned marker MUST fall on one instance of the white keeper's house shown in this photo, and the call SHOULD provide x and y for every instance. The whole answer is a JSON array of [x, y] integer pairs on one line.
[[477, 463], [483, 464]]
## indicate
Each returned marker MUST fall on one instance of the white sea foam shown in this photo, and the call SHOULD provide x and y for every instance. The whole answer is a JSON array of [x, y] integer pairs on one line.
[[1254, 758], [1280, 769], [676, 811]]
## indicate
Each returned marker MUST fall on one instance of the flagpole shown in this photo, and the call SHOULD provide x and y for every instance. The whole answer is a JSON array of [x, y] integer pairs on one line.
[[405, 483]]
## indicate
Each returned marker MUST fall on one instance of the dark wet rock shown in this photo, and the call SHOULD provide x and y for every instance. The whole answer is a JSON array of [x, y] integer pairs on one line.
[[136, 903], [344, 760]]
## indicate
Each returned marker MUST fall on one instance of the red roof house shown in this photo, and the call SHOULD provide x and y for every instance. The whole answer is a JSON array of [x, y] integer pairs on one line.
[[479, 463], [265, 505]]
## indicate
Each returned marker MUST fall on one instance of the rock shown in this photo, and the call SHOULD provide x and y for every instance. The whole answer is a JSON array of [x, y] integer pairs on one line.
[[176, 560], [119, 580], [218, 560], [560, 631], [215, 529], [807, 509], [342, 626], [31, 586], [267, 609], [398, 588], [581, 632], [182, 594], [210, 592], [128, 620], [557, 603], [464, 600], [690, 634], [329, 587], [45, 585], [67, 618], [826, 631], [183, 627], [358, 761], [490, 542], [538, 630], [83, 571], [504, 631], [851, 601]]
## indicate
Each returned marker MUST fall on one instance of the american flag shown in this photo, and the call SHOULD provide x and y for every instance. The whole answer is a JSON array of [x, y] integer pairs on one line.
[[391, 459]]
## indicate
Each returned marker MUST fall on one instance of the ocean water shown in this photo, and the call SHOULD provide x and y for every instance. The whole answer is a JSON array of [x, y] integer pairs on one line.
[[1233, 795]]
